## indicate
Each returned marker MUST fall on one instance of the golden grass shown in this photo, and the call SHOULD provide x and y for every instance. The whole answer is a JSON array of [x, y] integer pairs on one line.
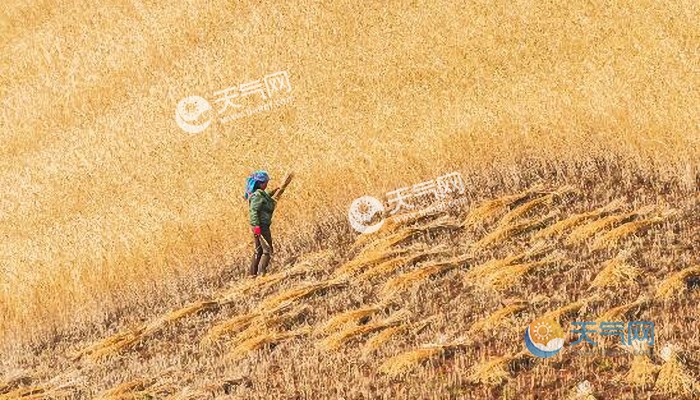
[[493, 371], [675, 285], [567, 309], [593, 228], [571, 221], [390, 266], [341, 337], [272, 321], [352, 316], [122, 340], [674, 378], [521, 210], [259, 283], [32, 392], [507, 276], [131, 388], [582, 391], [298, 292], [381, 245], [264, 339], [408, 279], [408, 360], [584, 232], [498, 317], [488, 209], [618, 313], [394, 222], [381, 338], [228, 327], [491, 266], [642, 371], [504, 231], [367, 259], [136, 200], [613, 237], [616, 273]]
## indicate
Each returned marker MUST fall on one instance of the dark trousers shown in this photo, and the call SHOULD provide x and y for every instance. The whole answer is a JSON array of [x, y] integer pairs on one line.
[[263, 251]]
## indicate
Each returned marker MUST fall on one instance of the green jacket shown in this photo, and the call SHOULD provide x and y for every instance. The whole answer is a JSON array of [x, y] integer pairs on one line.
[[261, 206]]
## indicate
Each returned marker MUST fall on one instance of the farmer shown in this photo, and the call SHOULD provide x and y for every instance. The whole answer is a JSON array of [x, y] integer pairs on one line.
[[261, 206]]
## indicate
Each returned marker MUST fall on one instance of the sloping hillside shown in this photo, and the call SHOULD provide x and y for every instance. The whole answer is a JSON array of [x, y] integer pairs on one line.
[[434, 307]]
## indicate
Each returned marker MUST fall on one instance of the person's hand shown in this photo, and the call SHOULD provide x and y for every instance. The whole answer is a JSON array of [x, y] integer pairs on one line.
[[256, 231]]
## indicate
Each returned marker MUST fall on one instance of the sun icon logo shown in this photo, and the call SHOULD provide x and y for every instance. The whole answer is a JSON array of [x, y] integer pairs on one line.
[[193, 114], [543, 331], [544, 337], [363, 212]]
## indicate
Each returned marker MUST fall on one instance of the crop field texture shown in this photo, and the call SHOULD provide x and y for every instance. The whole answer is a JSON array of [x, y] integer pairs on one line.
[[125, 241]]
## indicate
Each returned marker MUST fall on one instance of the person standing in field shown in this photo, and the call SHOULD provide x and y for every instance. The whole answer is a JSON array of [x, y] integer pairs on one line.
[[261, 205]]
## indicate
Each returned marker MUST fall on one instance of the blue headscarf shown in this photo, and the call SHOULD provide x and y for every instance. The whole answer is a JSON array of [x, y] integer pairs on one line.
[[257, 176]]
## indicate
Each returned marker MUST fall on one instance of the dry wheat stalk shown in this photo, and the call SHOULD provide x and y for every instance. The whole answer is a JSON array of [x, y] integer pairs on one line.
[[304, 266], [642, 369], [408, 360], [297, 293], [617, 313], [507, 276], [568, 309], [394, 222], [674, 378], [368, 259], [675, 285], [498, 317], [408, 279], [490, 372], [612, 237], [523, 209], [384, 336], [593, 228], [269, 321], [582, 233], [31, 392], [502, 232], [489, 208], [262, 340], [393, 239], [123, 340], [278, 192], [342, 319], [228, 327], [641, 372], [392, 265], [615, 273], [582, 391], [338, 339], [573, 220], [378, 340], [491, 266]]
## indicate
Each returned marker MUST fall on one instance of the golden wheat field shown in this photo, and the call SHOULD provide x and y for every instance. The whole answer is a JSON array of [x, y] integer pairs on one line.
[[575, 127]]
